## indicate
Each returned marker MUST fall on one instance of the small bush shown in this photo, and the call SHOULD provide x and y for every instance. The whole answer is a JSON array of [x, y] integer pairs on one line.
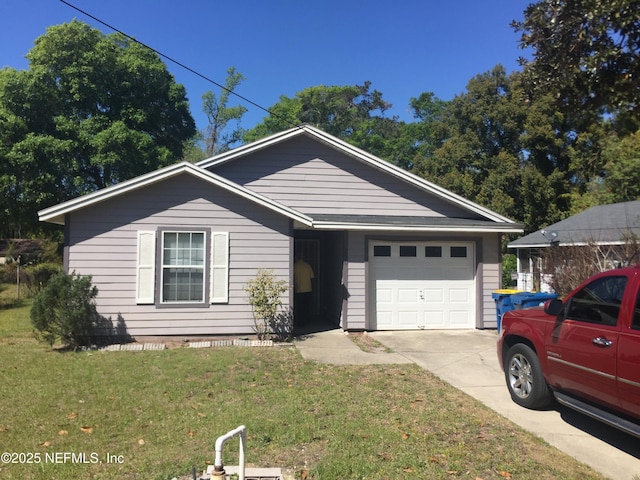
[[64, 310], [264, 296]]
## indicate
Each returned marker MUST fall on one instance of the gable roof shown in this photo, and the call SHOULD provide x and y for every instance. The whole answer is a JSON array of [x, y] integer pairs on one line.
[[603, 224], [367, 158], [56, 214], [490, 221]]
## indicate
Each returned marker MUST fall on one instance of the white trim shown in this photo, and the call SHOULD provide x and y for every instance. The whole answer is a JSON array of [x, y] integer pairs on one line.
[[362, 156], [56, 213], [320, 225]]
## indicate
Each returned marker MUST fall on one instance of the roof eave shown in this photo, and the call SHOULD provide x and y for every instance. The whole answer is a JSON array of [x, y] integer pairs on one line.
[[362, 156], [328, 225], [56, 214]]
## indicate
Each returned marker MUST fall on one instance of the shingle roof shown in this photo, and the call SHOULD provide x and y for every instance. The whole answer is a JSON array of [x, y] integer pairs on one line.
[[605, 224]]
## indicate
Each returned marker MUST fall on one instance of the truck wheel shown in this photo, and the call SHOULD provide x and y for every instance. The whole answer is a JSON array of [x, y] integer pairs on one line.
[[525, 381]]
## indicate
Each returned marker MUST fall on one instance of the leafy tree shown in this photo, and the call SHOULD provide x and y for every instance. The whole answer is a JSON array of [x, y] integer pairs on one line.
[[219, 116], [494, 145], [587, 52], [622, 167], [91, 110], [355, 114]]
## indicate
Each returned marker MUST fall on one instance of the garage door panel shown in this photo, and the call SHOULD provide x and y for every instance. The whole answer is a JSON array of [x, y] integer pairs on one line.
[[434, 319], [459, 318], [459, 295], [434, 295], [423, 291], [408, 319], [384, 294], [385, 319]]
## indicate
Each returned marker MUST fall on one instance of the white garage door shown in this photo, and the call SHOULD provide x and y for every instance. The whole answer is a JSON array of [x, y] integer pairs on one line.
[[422, 285]]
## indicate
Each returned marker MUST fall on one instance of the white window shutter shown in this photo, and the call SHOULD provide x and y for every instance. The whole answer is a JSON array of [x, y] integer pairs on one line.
[[219, 267], [145, 282]]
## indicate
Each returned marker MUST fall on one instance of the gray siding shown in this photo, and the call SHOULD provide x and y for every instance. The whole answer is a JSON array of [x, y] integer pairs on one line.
[[102, 242], [491, 280], [312, 177], [356, 283]]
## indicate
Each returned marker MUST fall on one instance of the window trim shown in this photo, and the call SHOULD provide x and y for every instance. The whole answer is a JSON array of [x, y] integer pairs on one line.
[[205, 268]]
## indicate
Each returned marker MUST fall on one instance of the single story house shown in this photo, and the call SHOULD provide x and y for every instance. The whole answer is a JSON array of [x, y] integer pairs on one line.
[[171, 251], [608, 226]]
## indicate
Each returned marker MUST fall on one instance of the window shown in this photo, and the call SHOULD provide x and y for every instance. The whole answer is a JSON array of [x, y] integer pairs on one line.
[[458, 252], [382, 250], [183, 267], [598, 302], [635, 324], [433, 252], [408, 251]]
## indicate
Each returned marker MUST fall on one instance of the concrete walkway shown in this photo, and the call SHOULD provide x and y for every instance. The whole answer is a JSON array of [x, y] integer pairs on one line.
[[467, 360]]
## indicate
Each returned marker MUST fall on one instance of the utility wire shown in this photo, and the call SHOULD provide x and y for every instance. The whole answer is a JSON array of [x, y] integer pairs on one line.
[[182, 65]]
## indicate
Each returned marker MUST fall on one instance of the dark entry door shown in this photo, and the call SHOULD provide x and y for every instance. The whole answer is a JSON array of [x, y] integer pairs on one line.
[[309, 250]]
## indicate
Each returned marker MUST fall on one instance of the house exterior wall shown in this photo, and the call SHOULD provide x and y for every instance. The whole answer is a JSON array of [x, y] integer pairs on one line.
[[490, 272], [102, 242], [356, 315], [313, 178]]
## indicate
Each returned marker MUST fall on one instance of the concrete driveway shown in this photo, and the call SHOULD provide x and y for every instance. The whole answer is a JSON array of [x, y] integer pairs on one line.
[[468, 360]]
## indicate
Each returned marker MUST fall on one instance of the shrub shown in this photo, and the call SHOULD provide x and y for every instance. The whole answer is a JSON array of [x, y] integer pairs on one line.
[[64, 310], [265, 299], [37, 276]]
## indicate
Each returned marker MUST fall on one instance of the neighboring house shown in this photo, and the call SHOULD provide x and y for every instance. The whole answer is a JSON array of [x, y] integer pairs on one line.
[[604, 225], [172, 250], [19, 248]]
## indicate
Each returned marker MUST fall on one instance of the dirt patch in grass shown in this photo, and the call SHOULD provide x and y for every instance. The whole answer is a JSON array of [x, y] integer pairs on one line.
[[367, 343]]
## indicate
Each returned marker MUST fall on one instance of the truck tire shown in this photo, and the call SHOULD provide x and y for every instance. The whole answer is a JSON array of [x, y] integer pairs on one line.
[[524, 377]]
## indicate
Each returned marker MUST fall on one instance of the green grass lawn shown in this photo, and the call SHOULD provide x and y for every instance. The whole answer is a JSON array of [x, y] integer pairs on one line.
[[155, 414]]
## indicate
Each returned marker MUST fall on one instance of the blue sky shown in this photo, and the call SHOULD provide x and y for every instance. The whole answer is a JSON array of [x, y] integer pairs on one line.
[[404, 47]]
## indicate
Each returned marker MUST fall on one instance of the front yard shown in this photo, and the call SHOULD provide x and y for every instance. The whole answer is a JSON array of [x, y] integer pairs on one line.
[[156, 414]]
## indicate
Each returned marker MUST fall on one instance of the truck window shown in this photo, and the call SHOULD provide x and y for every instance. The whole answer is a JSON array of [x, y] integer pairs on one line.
[[599, 301], [635, 324]]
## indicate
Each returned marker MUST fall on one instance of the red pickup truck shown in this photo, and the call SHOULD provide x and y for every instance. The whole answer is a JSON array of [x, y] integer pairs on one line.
[[583, 350]]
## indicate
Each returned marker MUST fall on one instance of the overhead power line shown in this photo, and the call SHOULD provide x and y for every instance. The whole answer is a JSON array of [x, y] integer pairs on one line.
[[182, 65]]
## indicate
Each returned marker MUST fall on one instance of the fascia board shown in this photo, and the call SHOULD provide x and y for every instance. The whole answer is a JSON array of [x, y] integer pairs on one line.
[[249, 148], [57, 213], [362, 156], [413, 228], [408, 176]]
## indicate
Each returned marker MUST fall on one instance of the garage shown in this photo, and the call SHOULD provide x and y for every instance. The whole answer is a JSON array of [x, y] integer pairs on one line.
[[421, 285]]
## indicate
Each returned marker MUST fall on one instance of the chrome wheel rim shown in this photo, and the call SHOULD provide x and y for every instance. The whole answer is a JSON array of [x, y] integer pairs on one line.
[[520, 377]]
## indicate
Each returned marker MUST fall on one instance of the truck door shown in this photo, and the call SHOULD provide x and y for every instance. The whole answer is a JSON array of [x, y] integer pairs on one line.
[[629, 362], [584, 344]]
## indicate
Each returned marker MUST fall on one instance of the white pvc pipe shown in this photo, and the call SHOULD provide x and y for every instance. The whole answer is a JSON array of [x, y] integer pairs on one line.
[[218, 465]]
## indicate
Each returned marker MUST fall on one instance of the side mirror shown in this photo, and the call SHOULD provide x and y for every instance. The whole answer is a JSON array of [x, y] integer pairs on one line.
[[553, 307]]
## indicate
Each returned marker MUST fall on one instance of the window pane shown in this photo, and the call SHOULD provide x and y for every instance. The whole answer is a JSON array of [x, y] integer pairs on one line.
[[407, 251], [458, 252], [598, 302], [182, 285], [183, 266], [433, 252], [382, 250], [183, 248]]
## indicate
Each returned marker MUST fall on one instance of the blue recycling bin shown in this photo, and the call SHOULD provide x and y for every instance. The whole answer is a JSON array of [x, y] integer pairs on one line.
[[502, 298], [531, 299]]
